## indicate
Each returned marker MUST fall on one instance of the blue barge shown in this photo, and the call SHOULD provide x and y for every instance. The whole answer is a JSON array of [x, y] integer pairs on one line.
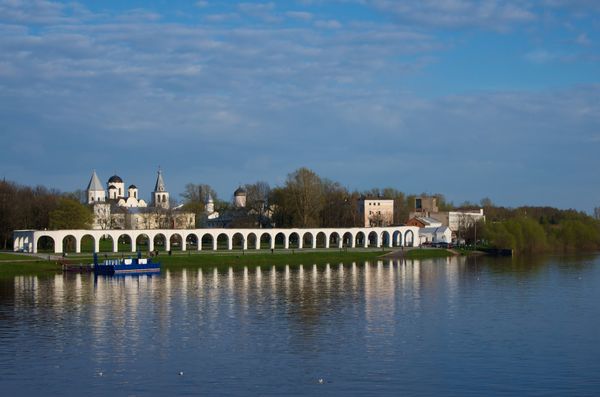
[[126, 266]]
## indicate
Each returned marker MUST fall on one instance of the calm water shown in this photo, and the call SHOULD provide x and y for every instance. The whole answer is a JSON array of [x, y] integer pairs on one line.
[[451, 327]]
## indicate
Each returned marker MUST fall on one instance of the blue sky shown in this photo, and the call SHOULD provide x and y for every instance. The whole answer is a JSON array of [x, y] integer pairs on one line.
[[472, 99]]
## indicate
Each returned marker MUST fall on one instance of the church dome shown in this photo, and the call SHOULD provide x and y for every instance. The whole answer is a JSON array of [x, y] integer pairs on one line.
[[132, 187], [240, 191], [115, 179]]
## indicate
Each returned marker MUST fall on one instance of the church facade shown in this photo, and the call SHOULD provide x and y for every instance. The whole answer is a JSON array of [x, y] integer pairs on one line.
[[117, 208]]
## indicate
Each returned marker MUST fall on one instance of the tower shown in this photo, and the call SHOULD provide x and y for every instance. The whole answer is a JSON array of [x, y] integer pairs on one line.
[[239, 197], [119, 186], [160, 197], [210, 205], [95, 191]]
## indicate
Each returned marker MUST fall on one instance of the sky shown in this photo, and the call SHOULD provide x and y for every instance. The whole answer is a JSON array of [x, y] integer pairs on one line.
[[471, 99]]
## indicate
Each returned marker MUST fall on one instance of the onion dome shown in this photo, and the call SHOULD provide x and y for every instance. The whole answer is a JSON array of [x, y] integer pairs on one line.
[[115, 179]]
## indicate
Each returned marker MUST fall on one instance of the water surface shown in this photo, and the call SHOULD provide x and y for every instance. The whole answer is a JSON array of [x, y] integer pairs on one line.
[[477, 326]]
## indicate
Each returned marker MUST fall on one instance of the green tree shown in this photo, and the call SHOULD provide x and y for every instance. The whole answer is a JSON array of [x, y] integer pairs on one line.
[[70, 214]]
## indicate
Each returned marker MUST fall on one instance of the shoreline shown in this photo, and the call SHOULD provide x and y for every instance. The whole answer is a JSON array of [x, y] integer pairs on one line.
[[16, 264]]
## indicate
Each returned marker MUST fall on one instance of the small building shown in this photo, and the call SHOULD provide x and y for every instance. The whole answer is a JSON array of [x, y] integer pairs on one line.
[[433, 235], [375, 212], [457, 221]]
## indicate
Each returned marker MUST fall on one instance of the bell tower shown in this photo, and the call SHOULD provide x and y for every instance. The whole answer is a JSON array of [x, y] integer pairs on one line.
[[160, 196]]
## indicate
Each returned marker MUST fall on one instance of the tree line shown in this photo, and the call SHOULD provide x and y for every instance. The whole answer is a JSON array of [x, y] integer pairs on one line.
[[24, 207], [306, 199], [540, 229]]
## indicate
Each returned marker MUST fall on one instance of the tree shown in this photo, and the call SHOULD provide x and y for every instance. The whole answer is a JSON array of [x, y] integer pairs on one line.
[[194, 198], [305, 190], [299, 202], [70, 214]]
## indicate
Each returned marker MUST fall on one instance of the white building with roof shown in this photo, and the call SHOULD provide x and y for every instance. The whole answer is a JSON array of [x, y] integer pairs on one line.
[[433, 235], [115, 208]]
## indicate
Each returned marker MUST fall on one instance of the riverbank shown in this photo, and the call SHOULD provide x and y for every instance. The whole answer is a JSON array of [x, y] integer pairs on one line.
[[27, 264]]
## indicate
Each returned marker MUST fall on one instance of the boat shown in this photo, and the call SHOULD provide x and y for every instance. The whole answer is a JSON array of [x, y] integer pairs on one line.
[[126, 266]]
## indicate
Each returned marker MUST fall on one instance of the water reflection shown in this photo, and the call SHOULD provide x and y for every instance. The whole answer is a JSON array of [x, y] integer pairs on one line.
[[386, 313]]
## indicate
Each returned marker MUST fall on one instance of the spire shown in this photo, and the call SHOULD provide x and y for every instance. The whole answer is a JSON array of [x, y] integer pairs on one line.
[[95, 185], [160, 184]]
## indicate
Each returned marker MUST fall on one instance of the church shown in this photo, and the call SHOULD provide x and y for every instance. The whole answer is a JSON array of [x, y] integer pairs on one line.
[[115, 208]]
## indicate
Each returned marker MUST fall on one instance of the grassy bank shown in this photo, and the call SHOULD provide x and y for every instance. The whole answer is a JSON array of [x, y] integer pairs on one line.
[[31, 268], [203, 259], [427, 253], [222, 259]]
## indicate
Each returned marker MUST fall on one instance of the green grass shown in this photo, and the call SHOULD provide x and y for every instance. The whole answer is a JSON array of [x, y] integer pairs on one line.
[[37, 268], [6, 256], [426, 253]]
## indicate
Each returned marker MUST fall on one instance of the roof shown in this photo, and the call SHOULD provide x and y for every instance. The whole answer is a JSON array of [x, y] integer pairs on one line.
[[132, 187], [239, 191], [428, 221], [95, 184], [115, 179], [111, 187], [433, 230], [160, 183]]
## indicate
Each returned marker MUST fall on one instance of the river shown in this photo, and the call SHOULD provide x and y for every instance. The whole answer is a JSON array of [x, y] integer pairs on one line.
[[457, 326]]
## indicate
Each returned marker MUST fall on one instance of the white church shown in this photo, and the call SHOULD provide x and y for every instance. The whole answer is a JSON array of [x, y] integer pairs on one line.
[[114, 208]]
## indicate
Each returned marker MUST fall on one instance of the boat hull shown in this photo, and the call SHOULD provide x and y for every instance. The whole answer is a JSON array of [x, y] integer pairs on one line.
[[127, 266]]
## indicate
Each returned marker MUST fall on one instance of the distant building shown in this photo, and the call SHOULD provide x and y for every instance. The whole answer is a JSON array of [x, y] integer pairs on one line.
[[426, 210], [375, 212], [114, 208], [440, 234], [239, 198]]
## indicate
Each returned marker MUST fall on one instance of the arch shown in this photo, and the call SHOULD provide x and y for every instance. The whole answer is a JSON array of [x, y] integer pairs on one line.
[[160, 242], [124, 243], [207, 242], [360, 240], [176, 242], [46, 244], [409, 238], [223, 242], [143, 243], [238, 241], [397, 238], [373, 239], [308, 240], [106, 243], [348, 240], [280, 240], [191, 242], [87, 243], [267, 241], [294, 241], [334, 240], [252, 241], [321, 240], [69, 243], [385, 239]]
